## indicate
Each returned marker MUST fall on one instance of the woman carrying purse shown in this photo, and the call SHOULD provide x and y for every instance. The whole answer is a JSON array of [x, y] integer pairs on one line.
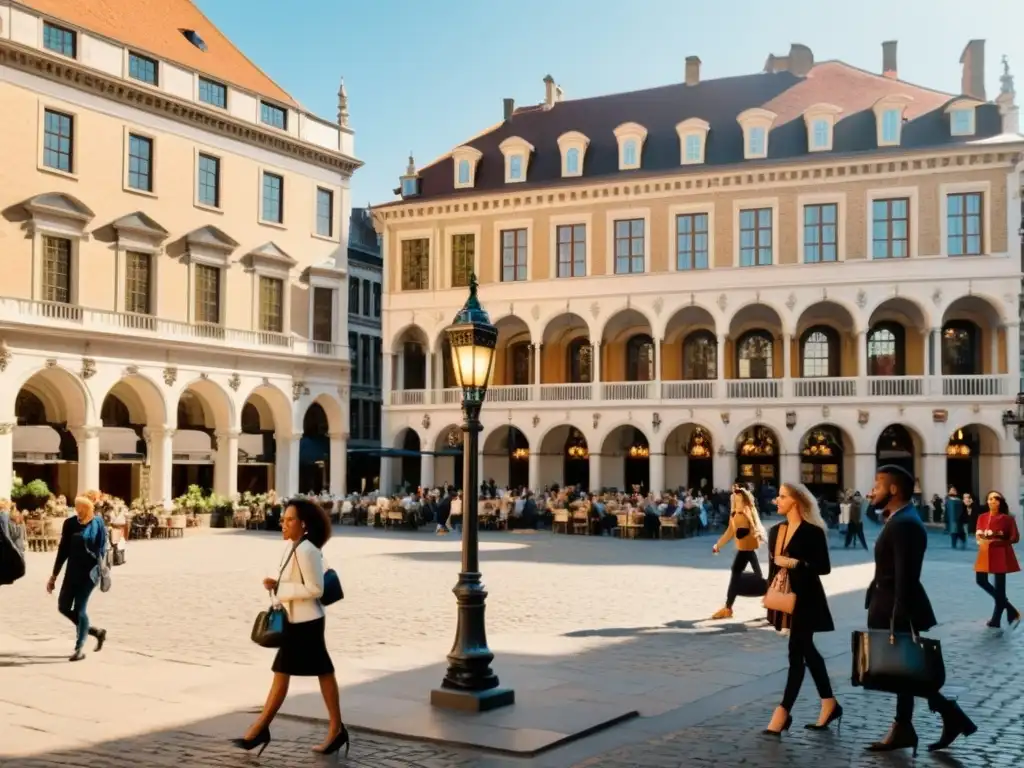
[[996, 534], [796, 600], [303, 650]]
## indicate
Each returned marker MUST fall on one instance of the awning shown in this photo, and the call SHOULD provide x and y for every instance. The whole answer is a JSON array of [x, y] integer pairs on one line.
[[119, 443], [251, 448], [191, 446], [36, 444]]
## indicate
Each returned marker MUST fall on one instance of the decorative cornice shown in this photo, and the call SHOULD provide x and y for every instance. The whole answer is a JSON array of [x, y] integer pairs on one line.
[[72, 73], [811, 171]]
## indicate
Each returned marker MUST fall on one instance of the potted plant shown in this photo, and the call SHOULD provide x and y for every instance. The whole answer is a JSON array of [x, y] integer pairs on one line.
[[30, 496], [223, 510], [196, 505]]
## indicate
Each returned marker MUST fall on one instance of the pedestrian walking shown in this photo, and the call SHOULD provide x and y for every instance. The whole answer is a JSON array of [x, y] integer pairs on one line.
[[83, 547], [956, 519], [897, 601], [303, 650], [855, 527], [798, 546], [746, 529], [997, 532], [12, 544]]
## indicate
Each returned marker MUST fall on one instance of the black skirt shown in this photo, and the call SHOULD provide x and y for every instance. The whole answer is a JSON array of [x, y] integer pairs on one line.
[[303, 651]]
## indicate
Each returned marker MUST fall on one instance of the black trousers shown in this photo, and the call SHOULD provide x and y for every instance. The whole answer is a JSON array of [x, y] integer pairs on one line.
[[802, 653], [905, 702], [852, 530], [959, 534], [739, 565], [998, 593]]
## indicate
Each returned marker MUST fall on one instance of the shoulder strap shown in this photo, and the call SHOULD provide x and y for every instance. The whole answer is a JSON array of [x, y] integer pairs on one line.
[[781, 538], [287, 560]]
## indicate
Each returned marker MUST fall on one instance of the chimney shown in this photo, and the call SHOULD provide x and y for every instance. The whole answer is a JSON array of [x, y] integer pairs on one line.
[[889, 59], [510, 108], [692, 70], [972, 83], [550, 92], [801, 59]]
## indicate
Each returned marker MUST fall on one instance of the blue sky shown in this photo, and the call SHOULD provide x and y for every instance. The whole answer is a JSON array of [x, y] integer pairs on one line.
[[424, 75]]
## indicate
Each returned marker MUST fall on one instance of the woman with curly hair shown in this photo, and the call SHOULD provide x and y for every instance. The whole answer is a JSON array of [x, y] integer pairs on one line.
[[745, 527], [306, 527]]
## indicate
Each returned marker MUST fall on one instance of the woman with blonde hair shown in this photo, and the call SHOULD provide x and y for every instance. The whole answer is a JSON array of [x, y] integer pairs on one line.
[[799, 545], [745, 527]]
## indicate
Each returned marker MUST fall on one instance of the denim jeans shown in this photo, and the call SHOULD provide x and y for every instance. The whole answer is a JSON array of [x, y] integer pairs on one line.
[[72, 602]]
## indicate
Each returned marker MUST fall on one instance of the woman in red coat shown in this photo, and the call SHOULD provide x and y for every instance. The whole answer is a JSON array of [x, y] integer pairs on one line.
[[997, 533]]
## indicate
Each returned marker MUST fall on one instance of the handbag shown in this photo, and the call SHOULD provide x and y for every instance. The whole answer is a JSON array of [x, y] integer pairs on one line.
[[268, 629], [780, 596], [332, 588], [897, 662], [751, 585], [100, 572]]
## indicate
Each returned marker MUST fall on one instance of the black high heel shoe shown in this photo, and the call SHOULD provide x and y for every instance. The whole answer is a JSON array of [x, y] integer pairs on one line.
[[778, 734], [339, 741], [835, 715], [900, 736], [261, 740]]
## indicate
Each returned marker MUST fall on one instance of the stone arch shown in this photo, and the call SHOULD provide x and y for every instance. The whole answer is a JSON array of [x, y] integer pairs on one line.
[[761, 313], [143, 397], [684, 468], [274, 408], [827, 458], [574, 322], [564, 449], [411, 332], [978, 472], [620, 466], [218, 410], [335, 411], [906, 309], [806, 314], [624, 322], [64, 395]]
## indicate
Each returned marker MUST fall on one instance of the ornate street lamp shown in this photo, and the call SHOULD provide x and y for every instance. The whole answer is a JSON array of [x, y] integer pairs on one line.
[[1015, 418], [469, 684]]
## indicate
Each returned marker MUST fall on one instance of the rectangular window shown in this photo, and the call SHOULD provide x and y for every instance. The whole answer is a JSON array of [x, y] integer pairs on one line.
[[57, 270], [515, 167], [378, 361], [891, 126], [755, 142], [375, 411], [58, 39], [207, 296], [820, 134], [353, 354], [58, 141], [364, 359], [324, 212], [756, 237], [273, 115], [629, 246], [353, 295], [271, 304], [416, 264], [213, 93], [572, 250], [463, 259], [209, 180], [513, 255], [323, 314], [366, 298], [890, 228], [140, 163], [142, 68], [273, 198], [693, 148], [821, 236], [963, 224], [377, 290], [691, 241], [353, 420], [138, 283], [962, 122]]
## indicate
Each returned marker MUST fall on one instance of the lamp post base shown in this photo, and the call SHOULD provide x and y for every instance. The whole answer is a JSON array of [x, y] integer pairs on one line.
[[472, 701]]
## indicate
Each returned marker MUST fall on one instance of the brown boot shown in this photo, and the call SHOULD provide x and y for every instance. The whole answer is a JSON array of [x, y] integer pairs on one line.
[[722, 613]]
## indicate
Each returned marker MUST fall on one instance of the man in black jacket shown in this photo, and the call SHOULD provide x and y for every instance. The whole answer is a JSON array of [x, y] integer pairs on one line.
[[897, 598]]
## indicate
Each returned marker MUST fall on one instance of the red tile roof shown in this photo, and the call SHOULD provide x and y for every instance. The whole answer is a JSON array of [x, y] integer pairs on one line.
[[155, 27]]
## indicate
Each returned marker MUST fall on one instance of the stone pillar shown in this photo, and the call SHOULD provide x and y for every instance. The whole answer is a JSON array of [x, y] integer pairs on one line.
[[787, 369], [993, 366], [724, 470], [1009, 478], [388, 370], [933, 474], [534, 472], [657, 360], [865, 465], [1013, 355], [88, 439], [400, 372], [387, 475], [338, 471], [427, 470], [285, 477], [536, 349], [862, 364], [933, 352], [6, 458], [789, 468], [225, 471], [160, 445], [595, 472], [429, 371], [596, 366], [720, 358], [657, 472]]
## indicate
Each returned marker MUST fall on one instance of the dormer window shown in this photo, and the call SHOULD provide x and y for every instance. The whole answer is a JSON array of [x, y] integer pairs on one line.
[[961, 117], [465, 160], [820, 120], [517, 153], [631, 138], [756, 125], [573, 146], [889, 114], [692, 138], [408, 187]]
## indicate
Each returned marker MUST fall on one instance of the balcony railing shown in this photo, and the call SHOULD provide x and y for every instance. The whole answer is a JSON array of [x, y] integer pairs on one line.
[[102, 321], [817, 390]]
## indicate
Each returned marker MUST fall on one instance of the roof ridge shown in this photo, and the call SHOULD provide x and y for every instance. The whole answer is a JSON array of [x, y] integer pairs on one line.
[[877, 76], [242, 53]]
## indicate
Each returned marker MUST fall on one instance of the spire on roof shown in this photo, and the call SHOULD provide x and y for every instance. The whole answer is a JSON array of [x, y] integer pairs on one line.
[[410, 170], [342, 105], [1006, 79]]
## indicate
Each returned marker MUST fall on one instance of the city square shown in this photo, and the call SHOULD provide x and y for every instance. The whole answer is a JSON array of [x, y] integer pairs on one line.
[[179, 674]]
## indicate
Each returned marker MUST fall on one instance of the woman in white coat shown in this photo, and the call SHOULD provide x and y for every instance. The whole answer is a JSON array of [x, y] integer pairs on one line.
[[303, 652]]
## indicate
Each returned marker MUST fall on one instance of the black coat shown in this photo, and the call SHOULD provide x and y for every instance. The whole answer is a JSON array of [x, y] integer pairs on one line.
[[896, 591], [809, 546]]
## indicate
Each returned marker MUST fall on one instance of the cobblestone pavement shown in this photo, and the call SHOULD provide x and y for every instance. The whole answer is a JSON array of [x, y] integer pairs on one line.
[[184, 608]]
